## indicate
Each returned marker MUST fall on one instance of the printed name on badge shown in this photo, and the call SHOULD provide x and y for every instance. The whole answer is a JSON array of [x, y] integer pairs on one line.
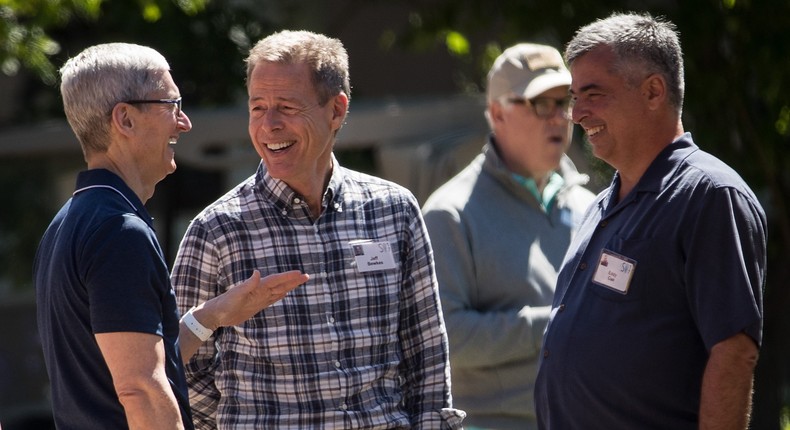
[[372, 256], [614, 271]]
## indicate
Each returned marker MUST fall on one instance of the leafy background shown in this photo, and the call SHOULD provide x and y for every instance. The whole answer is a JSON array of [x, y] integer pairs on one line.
[[737, 98]]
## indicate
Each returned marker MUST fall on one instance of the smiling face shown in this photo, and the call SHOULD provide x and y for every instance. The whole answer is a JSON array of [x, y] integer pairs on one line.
[[529, 145], [290, 130], [160, 125], [612, 112]]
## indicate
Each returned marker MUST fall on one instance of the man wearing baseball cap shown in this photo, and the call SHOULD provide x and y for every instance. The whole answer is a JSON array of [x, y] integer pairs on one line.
[[499, 230]]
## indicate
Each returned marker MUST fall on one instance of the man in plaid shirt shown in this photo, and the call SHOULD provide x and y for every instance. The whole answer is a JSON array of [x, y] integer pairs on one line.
[[362, 344]]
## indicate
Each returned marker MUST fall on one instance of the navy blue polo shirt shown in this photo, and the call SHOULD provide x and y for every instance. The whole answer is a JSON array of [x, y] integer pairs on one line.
[[100, 269], [648, 286]]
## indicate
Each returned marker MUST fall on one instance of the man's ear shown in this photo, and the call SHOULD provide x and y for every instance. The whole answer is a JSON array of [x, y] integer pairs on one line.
[[495, 112], [654, 90], [122, 119], [339, 110]]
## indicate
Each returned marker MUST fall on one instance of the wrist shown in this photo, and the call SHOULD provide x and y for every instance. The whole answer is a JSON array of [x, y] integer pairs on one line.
[[196, 327]]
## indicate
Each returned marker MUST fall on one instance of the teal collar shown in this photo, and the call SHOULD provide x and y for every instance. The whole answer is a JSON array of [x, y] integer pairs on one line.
[[550, 191]]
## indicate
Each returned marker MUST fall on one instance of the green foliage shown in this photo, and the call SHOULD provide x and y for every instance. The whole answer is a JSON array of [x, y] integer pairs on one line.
[[456, 43], [737, 96], [783, 121], [26, 25], [23, 37]]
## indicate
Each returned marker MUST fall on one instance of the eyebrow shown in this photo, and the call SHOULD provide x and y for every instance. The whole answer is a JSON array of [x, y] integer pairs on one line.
[[585, 88], [278, 99]]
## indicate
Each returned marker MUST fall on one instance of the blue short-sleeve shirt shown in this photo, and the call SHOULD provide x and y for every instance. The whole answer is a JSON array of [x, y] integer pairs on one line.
[[100, 269], [692, 237]]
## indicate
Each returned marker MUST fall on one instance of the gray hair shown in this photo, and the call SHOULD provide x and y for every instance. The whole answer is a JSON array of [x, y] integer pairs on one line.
[[642, 45], [101, 76], [326, 57]]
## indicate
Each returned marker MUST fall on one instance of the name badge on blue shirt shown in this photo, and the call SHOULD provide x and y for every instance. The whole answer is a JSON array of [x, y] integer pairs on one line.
[[372, 256], [614, 271]]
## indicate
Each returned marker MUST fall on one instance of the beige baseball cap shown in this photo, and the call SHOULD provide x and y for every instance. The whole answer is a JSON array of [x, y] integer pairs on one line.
[[527, 69]]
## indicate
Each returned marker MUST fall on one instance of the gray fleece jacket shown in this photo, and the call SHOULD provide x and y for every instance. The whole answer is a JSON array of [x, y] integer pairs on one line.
[[497, 255]]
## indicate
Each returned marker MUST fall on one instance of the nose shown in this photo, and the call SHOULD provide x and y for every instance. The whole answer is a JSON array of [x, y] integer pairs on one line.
[[271, 120], [184, 124], [577, 112]]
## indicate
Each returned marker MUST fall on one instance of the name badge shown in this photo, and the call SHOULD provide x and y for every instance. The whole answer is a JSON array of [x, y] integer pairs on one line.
[[614, 271], [372, 256]]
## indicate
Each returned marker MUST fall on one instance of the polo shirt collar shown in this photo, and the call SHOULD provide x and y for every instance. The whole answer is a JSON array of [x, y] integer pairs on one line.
[[104, 178]]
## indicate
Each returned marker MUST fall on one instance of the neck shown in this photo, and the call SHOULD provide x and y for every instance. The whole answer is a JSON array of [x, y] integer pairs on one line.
[[130, 176], [631, 173], [541, 181], [312, 192], [540, 178]]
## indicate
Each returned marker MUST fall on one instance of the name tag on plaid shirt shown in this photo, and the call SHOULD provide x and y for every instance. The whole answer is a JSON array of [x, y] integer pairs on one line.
[[372, 256]]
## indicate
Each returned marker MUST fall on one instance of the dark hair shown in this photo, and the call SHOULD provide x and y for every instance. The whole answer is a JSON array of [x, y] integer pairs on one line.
[[642, 45]]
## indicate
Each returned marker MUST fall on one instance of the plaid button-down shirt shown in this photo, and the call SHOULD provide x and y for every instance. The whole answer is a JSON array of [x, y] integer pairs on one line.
[[348, 349]]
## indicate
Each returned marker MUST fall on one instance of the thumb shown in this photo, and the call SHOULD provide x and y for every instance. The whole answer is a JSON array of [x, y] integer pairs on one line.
[[252, 282]]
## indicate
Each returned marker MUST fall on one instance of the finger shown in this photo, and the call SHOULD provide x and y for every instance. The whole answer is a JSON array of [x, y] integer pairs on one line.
[[290, 277], [280, 289], [284, 288]]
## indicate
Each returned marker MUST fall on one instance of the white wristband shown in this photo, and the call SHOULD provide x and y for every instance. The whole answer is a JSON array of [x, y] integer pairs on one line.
[[198, 329]]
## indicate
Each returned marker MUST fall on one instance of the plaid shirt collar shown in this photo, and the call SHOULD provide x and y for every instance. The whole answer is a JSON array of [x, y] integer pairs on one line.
[[282, 196]]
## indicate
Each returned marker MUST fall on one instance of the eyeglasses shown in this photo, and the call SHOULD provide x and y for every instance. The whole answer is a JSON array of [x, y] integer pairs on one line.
[[176, 102], [546, 107]]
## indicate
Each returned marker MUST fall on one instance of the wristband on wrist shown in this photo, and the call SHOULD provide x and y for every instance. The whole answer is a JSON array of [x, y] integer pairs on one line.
[[198, 329]]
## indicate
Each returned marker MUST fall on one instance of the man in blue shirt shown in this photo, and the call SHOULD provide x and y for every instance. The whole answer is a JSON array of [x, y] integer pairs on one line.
[[657, 317], [107, 314]]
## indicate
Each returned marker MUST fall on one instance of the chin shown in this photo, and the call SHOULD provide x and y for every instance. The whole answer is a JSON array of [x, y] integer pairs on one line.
[[171, 168]]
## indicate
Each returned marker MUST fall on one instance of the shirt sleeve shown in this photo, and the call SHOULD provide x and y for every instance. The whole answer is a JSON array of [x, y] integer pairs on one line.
[[194, 278], [126, 277], [725, 269], [422, 333]]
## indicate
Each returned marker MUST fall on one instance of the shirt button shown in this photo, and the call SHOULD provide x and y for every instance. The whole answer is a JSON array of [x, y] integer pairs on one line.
[[343, 406], [297, 200], [285, 212], [603, 223], [331, 320], [582, 266], [545, 353], [561, 308], [337, 364]]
